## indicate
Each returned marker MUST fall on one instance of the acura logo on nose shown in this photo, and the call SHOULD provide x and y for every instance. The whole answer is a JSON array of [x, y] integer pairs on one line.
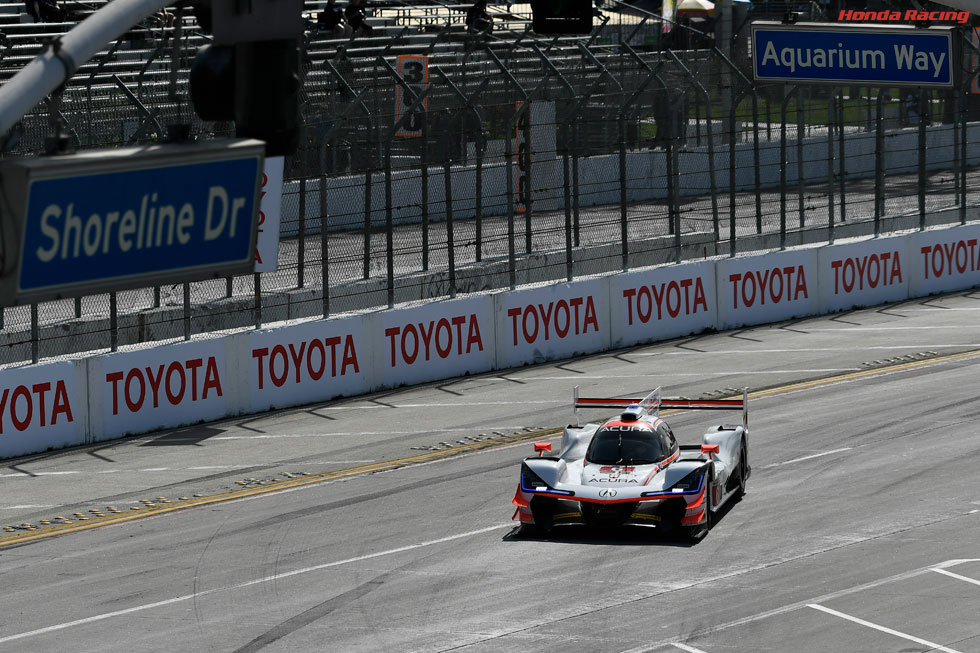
[[607, 493]]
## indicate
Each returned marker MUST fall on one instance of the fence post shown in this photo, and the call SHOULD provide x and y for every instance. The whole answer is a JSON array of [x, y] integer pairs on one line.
[[922, 159], [324, 254], [963, 136], [843, 156], [450, 235], [800, 205], [830, 167], [258, 300], [301, 254], [113, 322], [787, 94], [187, 310], [511, 254], [35, 345], [880, 164]]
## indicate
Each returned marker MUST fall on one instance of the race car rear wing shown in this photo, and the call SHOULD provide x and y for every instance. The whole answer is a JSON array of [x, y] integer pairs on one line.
[[653, 402]]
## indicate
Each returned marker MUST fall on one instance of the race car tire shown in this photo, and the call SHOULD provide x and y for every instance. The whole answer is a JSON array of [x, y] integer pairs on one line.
[[743, 469], [534, 530]]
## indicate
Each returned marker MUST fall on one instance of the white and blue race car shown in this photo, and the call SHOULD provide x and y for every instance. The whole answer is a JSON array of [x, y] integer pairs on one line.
[[631, 470]]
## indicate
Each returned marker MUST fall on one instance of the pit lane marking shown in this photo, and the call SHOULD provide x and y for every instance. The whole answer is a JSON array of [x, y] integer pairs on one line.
[[884, 629]]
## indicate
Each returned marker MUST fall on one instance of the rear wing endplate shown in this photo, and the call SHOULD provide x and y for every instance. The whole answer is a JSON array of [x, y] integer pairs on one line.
[[654, 402]]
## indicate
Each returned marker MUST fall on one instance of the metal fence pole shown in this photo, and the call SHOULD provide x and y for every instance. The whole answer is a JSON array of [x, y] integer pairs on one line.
[[425, 209], [880, 163], [450, 236], [113, 322], [78, 307], [511, 254], [800, 205], [187, 310], [843, 156], [787, 94], [324, 254], [830, 167], [301, 253], [922, 159], [258, 300], [963, 137], [35, 345]]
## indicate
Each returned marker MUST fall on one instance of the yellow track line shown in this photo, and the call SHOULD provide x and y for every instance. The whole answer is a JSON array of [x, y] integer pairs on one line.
[[98, 522]]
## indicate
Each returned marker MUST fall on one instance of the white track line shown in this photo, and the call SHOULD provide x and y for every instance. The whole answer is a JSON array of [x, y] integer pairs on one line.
[[816, 455], [257, 581], [685, 647], [957, 576], [911, 638]]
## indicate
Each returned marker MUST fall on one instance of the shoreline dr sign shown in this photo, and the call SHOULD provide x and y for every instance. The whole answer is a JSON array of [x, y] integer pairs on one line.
[[853, 54], [115, 219]]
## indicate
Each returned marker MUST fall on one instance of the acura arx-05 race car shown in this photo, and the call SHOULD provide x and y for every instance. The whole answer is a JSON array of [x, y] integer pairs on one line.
[[631, 470]]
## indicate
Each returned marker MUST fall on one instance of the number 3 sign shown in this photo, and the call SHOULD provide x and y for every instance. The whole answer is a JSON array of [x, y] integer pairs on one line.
[[414, 69]]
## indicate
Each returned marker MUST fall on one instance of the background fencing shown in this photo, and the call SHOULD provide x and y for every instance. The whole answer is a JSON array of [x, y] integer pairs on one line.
[[525, 160]]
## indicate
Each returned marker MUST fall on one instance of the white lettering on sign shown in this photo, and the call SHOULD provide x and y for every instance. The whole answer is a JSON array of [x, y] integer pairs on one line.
[[23, 403], [443, 336], [559, 317], [311, 356], [906, 57], [962, 256], [774, 285], [686, 296], [137, 384], [867, 271], [70, 236]]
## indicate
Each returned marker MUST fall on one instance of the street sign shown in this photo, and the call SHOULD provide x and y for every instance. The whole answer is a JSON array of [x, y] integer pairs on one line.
[[113, 219], [867, 55]]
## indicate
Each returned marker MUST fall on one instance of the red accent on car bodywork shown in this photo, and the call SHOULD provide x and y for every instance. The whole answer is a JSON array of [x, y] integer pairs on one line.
[[519, 499], [710, 448]]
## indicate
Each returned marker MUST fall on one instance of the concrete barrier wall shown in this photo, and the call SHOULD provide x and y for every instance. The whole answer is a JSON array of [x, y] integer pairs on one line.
[[62, 404]]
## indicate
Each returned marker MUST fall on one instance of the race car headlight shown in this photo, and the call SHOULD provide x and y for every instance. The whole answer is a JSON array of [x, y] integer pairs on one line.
[[691, 482], [530, 481]]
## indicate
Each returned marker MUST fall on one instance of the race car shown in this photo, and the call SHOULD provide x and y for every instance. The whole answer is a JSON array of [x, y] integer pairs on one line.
[[631, 470]]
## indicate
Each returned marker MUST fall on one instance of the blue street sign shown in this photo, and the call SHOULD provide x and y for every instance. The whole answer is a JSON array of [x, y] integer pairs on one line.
[[853, 54], [126, 218]]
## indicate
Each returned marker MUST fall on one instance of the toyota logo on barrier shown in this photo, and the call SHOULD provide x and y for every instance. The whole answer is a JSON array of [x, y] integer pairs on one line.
[[607, 493]]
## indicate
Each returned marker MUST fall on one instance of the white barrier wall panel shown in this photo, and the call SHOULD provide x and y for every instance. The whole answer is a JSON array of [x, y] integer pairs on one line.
[[42, 407], [767, 288], [168, 386], [439, 340], [864, 273], [662, 303], [944, 260], [553, 322], [306, 363]]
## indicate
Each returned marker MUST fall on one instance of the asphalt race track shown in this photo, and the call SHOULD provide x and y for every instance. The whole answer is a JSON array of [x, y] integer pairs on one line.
[[383, 523]]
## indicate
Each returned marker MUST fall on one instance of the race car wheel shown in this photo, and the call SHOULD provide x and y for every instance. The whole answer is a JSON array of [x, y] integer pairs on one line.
[[743, 471]]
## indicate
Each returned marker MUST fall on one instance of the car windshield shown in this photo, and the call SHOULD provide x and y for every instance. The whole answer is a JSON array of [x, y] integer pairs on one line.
[[625, 445]]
